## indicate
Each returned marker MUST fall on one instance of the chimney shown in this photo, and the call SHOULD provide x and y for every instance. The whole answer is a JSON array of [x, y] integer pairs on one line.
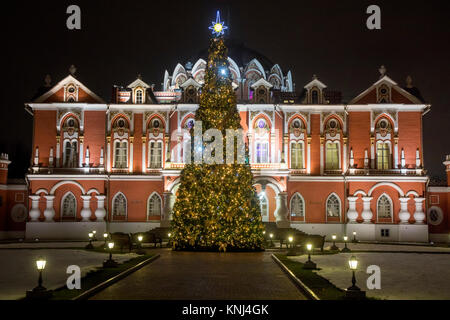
[[4, 163]]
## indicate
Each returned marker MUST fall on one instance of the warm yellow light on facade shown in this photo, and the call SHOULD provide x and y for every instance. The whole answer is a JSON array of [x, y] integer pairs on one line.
[[40, 264]]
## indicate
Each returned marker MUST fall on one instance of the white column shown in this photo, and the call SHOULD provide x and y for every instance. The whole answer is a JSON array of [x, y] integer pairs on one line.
[[36, 156], [100, 212], [272, 148], [108, 154], [308, 164], [419, 215], [321, 156], [49, 212], [87, 160], [372, 153], [395, 155], [367, 212], [417, 158], [130, 169], [366, 159], [344, 165], [86, 211], [179, 146], [403, 162], [404, 214], [35, 213], [144, 165], [352, 214], [58, 151], [250, 148], [50, 158], [81, 154], [281, 211], [102, 158]]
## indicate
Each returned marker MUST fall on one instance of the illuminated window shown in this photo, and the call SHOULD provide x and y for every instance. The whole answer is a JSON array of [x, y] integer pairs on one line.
[[333, 206], [70, 154], [383, 156], [332, 156], [154, 205], [155, 154], [296, 155], [262, 152], [384, 207], [139, 96], [69, 206], [297, 206], [264, 206], [120, 205], [120, 154]]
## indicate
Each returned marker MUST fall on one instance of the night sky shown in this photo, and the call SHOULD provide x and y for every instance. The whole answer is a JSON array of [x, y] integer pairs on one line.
[[120, 39]]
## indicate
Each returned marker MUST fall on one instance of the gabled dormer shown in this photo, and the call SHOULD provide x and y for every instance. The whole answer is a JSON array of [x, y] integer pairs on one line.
[[385, 90], [68, 90], [315, 92], [138, 90], [191, 89], [261, 90]]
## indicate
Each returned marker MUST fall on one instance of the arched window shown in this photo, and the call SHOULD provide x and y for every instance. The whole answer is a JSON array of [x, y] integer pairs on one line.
[[262, 152], [120, 154], [297, 206], [119, 205], [139, 95], [264, 204], [155, 156], [383, 156], [384, 207], [296, 155], [332, 156], [69, 206], [70, 154], [333, 206], [154, 205]]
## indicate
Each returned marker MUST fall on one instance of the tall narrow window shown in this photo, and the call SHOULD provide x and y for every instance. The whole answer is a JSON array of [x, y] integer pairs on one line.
[[70, 154], [383, 156], [315, 97], [262, 152], [264, 206], [155, 154], [332, 156], [120, 206], [139, 99], [296, 155], [154, 205], [120, 155], [297, 206], [333, 206], [69, 206], [384, 207]]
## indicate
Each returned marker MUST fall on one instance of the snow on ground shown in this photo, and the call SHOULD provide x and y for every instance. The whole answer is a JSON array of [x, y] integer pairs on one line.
[[404, 276], [390, 247], [18, 268]]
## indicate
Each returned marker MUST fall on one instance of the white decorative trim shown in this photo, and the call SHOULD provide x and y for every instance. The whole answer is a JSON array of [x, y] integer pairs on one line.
[[389, 184]]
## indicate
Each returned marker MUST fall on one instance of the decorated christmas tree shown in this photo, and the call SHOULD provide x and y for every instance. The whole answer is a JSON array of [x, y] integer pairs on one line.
[[217, 207]]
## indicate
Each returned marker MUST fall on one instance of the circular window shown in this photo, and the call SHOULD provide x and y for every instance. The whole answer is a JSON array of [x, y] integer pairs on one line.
[[333, 124], [71, 123], [297, 124], [262, 91], [71, 89], [156, 123], [383, 91], [190, 124], [261, 124], [121, 123], [191, 92], [383, 124], [19, 213], [435, 216]]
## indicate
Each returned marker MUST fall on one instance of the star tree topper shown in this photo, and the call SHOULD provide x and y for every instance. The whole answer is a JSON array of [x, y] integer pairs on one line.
[[218, 27]]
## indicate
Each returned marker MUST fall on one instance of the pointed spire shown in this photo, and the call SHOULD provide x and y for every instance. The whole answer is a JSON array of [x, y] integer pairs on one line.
[[409, 82], [382, 71], [48, 81], [72, 70]]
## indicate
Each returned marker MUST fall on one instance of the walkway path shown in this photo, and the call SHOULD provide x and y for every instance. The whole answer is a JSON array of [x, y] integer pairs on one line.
[[193, 275]]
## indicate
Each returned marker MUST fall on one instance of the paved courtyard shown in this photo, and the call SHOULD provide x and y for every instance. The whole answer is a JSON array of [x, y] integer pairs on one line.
[[19, 268], [404, 276], [194, 275]]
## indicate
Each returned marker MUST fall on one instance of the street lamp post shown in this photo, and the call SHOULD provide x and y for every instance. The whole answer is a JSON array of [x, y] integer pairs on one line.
[[140, 250], [110, 263], [105, 237], [334, 247], [354, 292], [94, 233], [291, 248], [309, 264], [169, 242], [39, 292], [90, 246], [345, 249], [354, 237], [271, 240]]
